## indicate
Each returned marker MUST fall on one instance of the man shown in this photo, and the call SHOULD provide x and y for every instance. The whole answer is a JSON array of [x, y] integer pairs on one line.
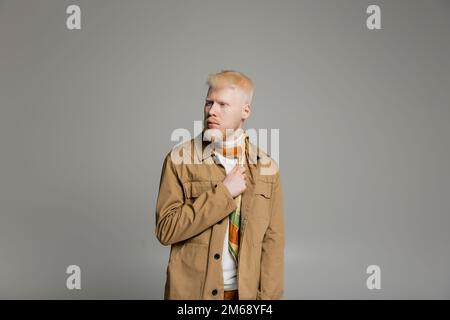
[[220, 206]]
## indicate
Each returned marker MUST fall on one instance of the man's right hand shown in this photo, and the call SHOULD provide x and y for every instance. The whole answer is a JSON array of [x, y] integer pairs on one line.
[[235, 181]]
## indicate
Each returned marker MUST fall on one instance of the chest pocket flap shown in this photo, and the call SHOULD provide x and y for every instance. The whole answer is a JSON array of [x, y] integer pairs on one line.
[[264, 189], [193, 189]]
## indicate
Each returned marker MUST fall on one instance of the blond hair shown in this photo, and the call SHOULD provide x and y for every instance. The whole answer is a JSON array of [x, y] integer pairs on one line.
[[232, 79]]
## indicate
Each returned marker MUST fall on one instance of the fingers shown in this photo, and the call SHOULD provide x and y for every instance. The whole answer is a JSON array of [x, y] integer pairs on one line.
[[239, 168], [243, 175]]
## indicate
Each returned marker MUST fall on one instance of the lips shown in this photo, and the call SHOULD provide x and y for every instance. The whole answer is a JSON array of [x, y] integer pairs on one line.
[[209, 122], [213, 125]]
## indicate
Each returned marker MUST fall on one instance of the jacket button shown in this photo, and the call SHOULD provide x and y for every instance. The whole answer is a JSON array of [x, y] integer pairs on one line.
[[214, 292], [217, 256]]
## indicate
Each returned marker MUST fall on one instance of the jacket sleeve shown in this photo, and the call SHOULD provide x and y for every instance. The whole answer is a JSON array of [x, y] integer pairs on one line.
[[176, 220], [271, 285]]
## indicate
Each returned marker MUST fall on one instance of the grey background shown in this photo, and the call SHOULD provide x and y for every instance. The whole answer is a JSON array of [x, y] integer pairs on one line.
[[86, 118]]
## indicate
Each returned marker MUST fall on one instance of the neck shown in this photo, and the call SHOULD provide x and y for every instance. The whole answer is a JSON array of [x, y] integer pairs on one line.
[[234, 141]]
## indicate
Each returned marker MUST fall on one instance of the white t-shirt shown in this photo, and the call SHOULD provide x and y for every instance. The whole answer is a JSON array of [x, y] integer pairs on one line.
[[228, 264], [229, 267]]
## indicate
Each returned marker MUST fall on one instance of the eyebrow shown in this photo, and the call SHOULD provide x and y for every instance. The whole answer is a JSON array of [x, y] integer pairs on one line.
[[208, 100]]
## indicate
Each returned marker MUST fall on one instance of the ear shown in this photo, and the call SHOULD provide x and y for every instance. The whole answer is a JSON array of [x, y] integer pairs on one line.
[[246, 111]]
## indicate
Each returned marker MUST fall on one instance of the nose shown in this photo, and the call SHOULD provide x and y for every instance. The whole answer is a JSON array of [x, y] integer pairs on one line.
[[213, 109]]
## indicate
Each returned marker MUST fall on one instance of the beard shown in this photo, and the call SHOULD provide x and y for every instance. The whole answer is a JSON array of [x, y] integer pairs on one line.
[[220, 135]]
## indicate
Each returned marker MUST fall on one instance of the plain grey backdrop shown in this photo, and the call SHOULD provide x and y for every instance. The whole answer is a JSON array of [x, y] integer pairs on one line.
[[86, 117]]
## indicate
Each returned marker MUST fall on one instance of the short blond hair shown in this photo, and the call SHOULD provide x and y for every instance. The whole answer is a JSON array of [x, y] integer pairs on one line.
[[232, 79]]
